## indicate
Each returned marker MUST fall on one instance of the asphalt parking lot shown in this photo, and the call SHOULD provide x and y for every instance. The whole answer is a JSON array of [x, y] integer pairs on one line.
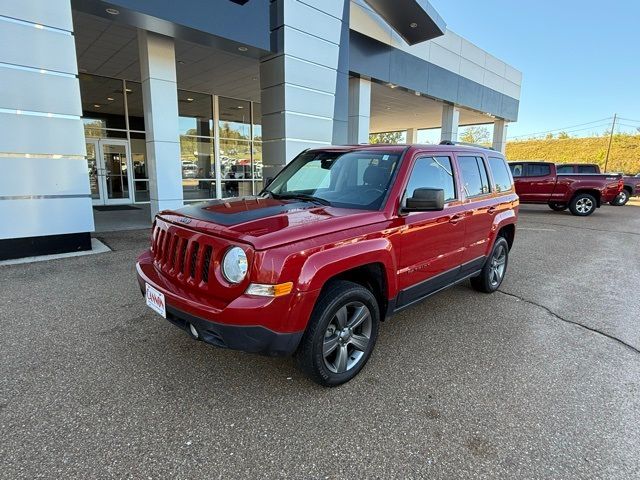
[[541, 380]]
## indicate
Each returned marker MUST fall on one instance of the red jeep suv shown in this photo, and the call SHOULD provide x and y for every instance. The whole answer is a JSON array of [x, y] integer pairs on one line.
[[341, 239]]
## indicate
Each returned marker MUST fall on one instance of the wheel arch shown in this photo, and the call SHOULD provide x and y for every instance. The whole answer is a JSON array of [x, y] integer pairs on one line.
[[597, 194]]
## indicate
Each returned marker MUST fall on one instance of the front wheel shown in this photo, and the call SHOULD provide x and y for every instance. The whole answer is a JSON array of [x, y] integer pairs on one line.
[[557, 207], [621, 199], [583, 205], [494, 269], [340, 335]]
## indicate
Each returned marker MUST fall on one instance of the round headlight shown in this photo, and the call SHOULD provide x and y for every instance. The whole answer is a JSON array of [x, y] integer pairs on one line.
[[234, 265]]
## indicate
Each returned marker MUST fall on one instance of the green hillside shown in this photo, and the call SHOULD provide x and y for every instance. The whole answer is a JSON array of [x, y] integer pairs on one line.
[[624, 156]]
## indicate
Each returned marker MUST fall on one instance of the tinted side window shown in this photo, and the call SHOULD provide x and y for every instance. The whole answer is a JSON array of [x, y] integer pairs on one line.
[[501, 174], [432, 172], [538, 169], [516, 169], [565, 169], [587, 169], [474, 176]]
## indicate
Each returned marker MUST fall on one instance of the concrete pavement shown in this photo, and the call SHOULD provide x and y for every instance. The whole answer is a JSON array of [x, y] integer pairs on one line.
[[541, 380]]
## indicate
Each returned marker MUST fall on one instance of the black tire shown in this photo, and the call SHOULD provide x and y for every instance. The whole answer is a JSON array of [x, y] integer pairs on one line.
[[558, 207], [334, 298], [621, 199], [487, 282], [583, 205]]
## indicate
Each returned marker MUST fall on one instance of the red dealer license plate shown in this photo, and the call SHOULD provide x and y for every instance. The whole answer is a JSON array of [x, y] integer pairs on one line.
[[155, 300]]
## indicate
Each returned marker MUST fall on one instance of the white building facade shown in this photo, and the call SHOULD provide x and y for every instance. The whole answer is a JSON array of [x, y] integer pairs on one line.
[[107, 104]]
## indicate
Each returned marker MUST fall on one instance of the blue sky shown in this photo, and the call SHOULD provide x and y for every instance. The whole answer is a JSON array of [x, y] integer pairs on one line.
[[580, 59]]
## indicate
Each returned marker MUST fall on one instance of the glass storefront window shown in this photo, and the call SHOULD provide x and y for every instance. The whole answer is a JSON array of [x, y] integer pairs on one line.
[[235, 119], [135, 107], [138, 155], [195, 112], [257, 160], [235, 159], [257, 122], [102, 105], [197, 157]]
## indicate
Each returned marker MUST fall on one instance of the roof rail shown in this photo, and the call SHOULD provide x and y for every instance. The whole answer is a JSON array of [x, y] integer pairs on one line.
[[466, 144]]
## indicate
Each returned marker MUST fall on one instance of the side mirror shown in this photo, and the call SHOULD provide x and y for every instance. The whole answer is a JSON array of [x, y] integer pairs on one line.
[[425, 199]]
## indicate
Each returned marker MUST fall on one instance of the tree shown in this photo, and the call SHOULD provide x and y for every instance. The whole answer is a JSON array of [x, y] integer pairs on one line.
[[387, 137], [563, 135], [549, 136], [478, 135]]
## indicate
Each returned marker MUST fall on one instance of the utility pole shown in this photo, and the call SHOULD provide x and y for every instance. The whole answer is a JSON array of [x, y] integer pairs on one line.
[[613, 126]]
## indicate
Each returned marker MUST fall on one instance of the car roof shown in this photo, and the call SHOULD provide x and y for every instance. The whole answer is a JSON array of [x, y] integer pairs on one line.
[[399, 147]]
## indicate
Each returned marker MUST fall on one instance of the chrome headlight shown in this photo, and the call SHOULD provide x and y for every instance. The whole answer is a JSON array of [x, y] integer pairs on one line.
[[234, 265]]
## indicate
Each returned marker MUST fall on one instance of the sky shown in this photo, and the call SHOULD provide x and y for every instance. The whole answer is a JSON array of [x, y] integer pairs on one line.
[[580, 59]]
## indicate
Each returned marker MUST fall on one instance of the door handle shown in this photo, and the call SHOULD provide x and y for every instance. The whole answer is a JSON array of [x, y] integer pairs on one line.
[[491, 210], [455, 218]]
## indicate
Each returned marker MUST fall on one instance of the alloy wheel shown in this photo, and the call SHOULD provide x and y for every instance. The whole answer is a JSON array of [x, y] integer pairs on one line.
[[584, 205], [347, 337], [497, 265]]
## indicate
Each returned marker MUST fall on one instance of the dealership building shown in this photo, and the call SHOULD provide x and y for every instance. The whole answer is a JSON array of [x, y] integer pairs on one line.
[[160, 103]]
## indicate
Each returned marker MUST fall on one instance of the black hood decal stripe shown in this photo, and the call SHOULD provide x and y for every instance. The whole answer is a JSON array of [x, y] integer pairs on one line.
[[252, 212]]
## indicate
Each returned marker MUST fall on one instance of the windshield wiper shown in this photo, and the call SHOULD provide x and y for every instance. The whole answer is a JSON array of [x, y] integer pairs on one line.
[[300, 196]]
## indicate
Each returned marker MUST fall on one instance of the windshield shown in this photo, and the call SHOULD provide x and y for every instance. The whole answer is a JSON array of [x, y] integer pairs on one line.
[[350, 180]]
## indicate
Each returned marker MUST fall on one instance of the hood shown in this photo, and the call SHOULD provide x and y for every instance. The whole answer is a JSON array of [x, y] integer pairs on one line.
[[268, 222]]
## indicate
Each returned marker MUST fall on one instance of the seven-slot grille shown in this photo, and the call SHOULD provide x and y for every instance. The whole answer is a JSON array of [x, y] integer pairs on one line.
[[184, 258]]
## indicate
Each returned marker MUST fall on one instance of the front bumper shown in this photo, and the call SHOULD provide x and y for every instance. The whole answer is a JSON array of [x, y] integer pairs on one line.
[[253, 339], [268, 326]]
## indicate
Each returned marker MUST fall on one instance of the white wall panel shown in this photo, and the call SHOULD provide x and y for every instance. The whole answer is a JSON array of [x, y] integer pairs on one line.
[[493, 81], [471, 52], [334, 8], [52, 13], [444, 58], [41, 135], [48, 216], [310, 48], [496, 65], [39, 92], [38, 48], [310, 20], [300, 100], [472, 71], [23, 176]]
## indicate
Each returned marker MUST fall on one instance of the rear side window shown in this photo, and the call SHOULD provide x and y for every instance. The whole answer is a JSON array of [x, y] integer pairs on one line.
[[516, 169], [501, 175], [565, 169], [432, 172], [538, 169], [587, 169], [474, 176]]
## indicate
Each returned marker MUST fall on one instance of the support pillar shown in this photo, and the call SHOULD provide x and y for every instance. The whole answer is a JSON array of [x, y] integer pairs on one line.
[[412, 135], [450, 121], [500, 135], [160, 99], [45, 200], [303, 85], [359, 110]]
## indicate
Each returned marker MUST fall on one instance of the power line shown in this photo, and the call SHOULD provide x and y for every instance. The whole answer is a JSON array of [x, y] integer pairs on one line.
[[629, 120], [565, 128], [592, 127]]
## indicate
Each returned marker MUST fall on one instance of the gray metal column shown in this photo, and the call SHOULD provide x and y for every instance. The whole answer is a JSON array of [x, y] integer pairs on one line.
[[302, 84], [500, 135], [359, 110], [450, 121], [160, 98], [412, 135]]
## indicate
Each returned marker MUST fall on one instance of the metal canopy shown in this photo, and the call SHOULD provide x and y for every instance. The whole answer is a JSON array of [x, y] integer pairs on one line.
[[414, 20]]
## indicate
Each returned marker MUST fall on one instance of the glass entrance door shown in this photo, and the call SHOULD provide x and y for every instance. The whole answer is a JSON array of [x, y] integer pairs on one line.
[[109, 167]]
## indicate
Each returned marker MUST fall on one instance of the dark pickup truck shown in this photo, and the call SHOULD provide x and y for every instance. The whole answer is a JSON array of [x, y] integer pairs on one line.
[[539, 182], [630, 188]]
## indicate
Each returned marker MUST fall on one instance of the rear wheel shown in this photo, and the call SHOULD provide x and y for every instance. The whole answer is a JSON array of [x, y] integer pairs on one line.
[[340, 335], [621, 199], [583, 204], [494, 269], [557, 207]]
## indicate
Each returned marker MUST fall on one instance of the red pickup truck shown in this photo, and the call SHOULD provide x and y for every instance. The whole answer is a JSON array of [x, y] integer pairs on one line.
[[342, 238], [631, 184], [539, 182]]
